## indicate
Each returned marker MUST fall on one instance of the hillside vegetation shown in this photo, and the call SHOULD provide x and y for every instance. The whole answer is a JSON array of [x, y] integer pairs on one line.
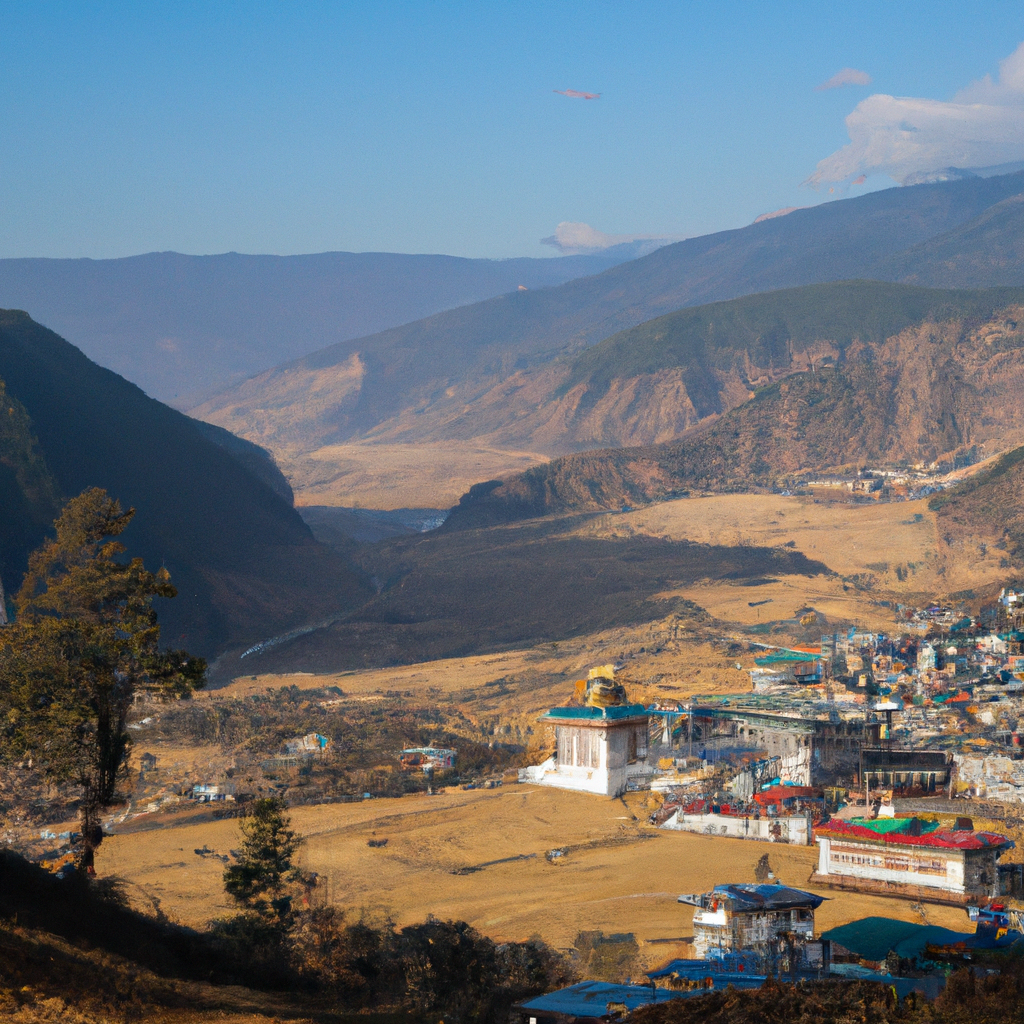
[[497, 370], [243, 560], [28, 492], [949, 382], [988, 505]]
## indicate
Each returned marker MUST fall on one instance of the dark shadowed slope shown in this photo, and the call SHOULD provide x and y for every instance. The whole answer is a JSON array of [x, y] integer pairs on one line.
[[451, 359], [446, 595], [244, 562], [186, 325]]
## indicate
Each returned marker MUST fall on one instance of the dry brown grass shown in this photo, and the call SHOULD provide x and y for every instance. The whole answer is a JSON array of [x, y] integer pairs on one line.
[[388, 476], [627, 880], [514, 687], [870, 546]]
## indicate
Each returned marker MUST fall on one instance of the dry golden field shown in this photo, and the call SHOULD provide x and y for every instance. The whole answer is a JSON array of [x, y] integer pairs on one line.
[[514, 687], [619, 874], [878, 551], [388, 476]]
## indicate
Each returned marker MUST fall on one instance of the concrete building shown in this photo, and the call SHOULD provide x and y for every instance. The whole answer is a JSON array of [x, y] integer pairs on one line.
[[597, 749], [212, 792], [813, 746], [795, 829], [904, 772], [910, 857], [731, 918], [428, 759]]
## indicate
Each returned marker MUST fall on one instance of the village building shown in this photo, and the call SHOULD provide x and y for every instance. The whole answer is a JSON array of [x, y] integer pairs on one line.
[[597, 750], [213, 792], [905, 772], [814, 746], [428, 759], [706, 818], [310, 745], [600, 739], [732, 918], [912, 858]]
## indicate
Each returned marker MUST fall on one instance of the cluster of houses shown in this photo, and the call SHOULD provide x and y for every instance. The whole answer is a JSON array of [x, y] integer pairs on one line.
[[892, 735], [875, 748], [744, 934]]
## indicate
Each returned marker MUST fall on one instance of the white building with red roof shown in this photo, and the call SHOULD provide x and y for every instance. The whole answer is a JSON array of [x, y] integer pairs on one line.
[[912, 858]]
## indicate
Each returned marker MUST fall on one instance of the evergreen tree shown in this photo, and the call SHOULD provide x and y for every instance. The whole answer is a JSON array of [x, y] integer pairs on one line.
[[259, 881], [83, 645]]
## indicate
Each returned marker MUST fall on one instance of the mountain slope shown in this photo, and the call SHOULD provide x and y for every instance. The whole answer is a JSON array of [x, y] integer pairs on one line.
[[186, 325], [422, 380], [985, 252], [245, 564], [881, 392], [988, 506], [28, 493]]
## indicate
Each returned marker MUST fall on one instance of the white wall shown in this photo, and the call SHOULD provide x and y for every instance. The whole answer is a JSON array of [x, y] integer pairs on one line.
[[794, 830], [925, 866]]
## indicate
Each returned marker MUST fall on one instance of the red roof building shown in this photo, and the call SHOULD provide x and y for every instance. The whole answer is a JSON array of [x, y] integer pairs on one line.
[[910, 857]]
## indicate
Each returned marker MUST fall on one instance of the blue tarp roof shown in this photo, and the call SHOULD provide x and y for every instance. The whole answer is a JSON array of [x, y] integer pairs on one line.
[[591, 998], [742, 964]]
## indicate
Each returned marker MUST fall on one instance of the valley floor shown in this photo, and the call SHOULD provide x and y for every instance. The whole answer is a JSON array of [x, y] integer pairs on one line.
[[389, 476], [879, 552], [619, 874]]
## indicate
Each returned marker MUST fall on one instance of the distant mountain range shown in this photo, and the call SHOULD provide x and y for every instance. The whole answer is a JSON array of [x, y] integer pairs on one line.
[[511, 371], [210, 507], [184, 327], [806, 380]]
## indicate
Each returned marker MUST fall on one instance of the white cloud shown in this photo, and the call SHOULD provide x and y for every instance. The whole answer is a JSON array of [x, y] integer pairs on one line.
[[910, 138], [573, 237], [848, 76]]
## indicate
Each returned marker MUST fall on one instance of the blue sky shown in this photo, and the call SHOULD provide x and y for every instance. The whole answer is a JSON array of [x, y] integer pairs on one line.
[[435, 127]]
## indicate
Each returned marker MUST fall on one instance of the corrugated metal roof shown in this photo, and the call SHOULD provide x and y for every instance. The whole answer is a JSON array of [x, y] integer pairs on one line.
[[610, 714], [767, 897], [591, 998], [938, 839]]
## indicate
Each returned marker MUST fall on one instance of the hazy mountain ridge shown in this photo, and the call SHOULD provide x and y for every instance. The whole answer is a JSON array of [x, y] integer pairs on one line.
[[987, 251], [933, 388], [498, 370], [245, 564], [181, 325]]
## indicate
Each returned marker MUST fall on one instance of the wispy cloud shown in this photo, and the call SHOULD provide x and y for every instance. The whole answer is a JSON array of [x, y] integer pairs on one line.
[[848, 76], [912, 139], [575, 94], [575, 237]]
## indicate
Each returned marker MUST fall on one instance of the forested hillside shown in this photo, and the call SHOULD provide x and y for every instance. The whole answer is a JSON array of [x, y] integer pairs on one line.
[[245, 564], [492, 370], [901, 376]]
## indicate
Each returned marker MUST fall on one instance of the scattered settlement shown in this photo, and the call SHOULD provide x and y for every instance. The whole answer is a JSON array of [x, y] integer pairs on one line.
[[881, 749]]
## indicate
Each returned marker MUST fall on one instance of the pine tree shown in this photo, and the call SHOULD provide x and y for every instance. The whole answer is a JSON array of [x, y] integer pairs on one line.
[[259, 881], [84, 643]]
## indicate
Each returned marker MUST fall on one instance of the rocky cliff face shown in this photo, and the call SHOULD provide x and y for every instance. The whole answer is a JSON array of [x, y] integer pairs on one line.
[[930, 391]]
